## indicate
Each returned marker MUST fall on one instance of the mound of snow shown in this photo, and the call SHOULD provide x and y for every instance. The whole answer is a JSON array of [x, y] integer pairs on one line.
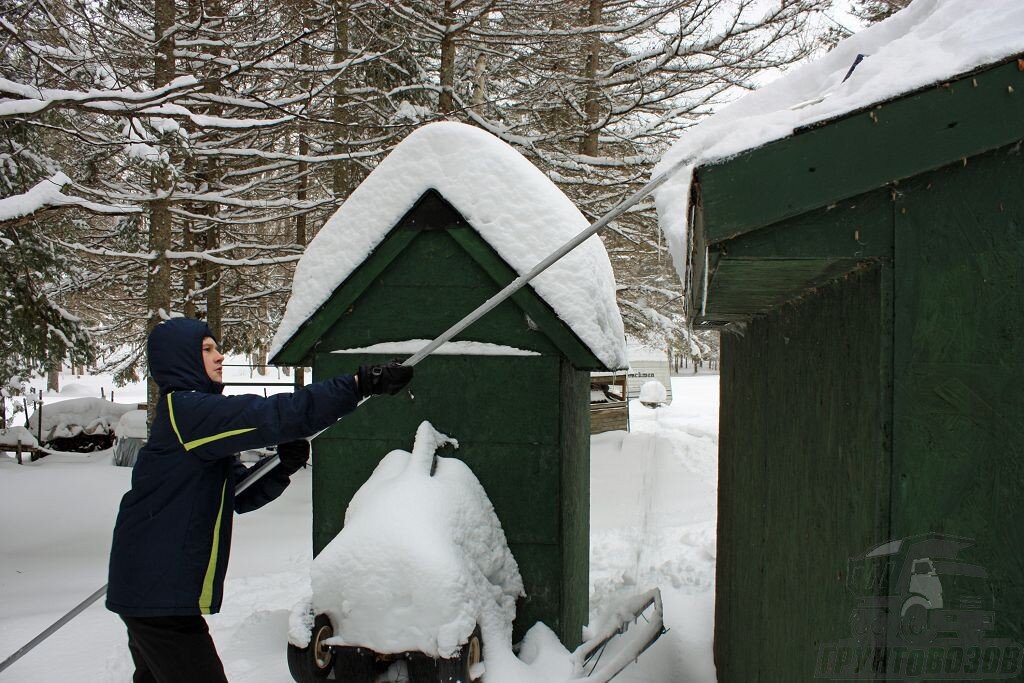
[[508, 200], [653, 392], [76, 416], [421, 562], [132, 425]]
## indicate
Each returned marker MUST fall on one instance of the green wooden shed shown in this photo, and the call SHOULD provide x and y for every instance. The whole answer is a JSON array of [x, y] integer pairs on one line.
[[867, 273], [514, 388]]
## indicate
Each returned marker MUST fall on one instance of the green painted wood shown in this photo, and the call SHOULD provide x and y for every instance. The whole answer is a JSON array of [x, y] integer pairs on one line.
[[538, 563], [539, 311], [743, 287], [426, 289], [800, 458], [512, 445], [862, 151], [574, 389], [855, 228], [959, 425], [298, 349]]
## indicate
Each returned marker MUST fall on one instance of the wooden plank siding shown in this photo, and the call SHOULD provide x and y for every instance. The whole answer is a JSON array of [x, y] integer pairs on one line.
[[801, 456], [609, 417]]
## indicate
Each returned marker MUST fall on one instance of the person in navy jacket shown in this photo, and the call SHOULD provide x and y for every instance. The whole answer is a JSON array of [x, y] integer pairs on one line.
[[173, 531]]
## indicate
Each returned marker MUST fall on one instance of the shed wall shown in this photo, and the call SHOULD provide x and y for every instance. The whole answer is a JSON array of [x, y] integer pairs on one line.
[[803, 471], [959, 376], [521, 421]]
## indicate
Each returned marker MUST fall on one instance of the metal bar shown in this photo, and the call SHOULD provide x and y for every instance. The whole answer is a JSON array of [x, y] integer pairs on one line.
[[52, 629]]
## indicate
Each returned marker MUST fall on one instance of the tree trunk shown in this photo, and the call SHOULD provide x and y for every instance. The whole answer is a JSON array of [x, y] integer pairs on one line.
[[158, 281], [342, 175], [188, 277], [446, 101], [211, 272], [591, 110], [480, 75], [53, 379], [301, 194]]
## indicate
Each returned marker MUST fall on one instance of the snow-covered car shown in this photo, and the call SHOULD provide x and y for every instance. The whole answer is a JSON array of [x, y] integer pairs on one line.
[[421, 573], [78, 424]]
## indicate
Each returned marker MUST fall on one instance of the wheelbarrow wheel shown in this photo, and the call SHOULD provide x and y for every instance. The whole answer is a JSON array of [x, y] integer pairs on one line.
[[455, 670], [313, 663]]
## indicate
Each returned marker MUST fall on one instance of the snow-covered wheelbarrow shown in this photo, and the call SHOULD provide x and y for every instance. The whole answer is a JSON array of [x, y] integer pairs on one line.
[[420, 581]]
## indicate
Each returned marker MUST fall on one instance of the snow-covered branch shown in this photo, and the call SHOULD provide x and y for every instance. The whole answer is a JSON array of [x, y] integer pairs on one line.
[[47, 195]]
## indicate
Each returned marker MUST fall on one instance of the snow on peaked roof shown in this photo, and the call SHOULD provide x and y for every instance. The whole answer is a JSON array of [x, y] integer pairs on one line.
[[511, 204], [929, 42]]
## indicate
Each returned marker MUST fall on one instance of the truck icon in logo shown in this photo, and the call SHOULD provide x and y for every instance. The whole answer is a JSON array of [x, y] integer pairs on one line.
[[918, 591], [921, 610]]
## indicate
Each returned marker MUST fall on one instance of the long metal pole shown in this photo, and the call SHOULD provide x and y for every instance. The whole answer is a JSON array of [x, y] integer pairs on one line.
[[52, 629], [511, 288]]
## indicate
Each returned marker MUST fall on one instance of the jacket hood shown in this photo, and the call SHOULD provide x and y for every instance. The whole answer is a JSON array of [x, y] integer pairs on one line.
[[175, 349]]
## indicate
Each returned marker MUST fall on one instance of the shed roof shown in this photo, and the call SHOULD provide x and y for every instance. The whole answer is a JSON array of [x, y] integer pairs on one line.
[[510, 203], [930, 42]]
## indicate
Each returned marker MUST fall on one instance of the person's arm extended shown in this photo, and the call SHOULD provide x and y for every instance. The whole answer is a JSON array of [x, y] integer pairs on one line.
[[214, 426], [293, 456]]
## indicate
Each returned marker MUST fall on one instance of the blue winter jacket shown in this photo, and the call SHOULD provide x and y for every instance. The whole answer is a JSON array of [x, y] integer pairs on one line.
[[173, 530]]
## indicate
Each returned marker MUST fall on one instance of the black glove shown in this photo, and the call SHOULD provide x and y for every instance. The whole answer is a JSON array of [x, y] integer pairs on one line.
[[383, 379], [294, 456]]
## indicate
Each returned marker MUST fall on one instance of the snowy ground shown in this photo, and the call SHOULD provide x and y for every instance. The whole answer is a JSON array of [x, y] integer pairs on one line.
[[653, 524]]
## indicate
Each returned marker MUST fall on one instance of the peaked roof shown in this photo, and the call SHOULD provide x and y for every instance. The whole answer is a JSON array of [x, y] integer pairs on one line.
[[433, 213], [510, 203]]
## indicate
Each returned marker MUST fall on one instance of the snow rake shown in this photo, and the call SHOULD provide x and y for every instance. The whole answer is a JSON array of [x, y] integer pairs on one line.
[[640, 622], [446, 336], [514, 286]]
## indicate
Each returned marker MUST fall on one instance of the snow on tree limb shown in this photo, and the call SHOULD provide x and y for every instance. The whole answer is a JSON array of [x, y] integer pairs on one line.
[[46, 195], [23, 99]]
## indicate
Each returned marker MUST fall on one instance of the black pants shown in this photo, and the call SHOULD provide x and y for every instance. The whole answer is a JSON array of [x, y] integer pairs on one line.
[[173, 650]]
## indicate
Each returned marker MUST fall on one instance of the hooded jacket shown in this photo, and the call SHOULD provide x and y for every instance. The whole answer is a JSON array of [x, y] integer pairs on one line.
[[173, 529]]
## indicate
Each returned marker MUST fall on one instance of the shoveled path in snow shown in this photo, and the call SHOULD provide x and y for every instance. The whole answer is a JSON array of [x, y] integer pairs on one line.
[[653, 515]]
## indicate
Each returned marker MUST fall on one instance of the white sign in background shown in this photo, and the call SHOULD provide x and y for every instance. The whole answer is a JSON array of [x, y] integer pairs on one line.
[[643, 371]]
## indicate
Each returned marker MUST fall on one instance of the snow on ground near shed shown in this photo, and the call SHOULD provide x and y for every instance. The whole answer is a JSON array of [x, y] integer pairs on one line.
[[652, 524], [928, 42], [508, 200]]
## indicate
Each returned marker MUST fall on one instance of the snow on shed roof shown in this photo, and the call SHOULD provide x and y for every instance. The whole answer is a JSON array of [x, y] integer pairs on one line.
[[928, 42], [510, 202]]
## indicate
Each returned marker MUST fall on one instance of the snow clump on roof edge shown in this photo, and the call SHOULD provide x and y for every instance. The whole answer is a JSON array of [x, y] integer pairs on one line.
[[510, 202], [928, 42]]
